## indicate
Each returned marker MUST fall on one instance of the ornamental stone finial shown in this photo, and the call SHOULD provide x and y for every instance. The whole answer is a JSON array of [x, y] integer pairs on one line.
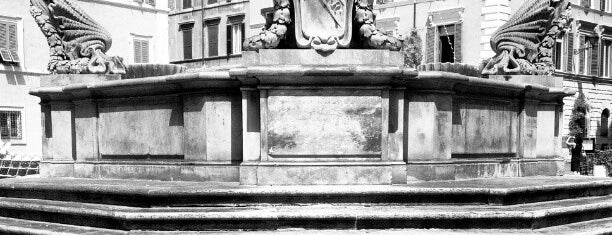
[[524, 44], [323, 25], [77, 43]]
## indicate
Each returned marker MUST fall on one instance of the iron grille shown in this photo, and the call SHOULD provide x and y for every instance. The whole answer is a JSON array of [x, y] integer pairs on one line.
[[10, 125]]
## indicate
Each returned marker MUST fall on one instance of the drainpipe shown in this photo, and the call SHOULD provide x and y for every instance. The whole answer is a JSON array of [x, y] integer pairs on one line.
[[202, 31], [414, 4]]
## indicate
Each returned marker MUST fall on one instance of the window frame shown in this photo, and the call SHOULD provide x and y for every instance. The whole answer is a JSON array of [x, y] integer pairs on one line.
[[235, 30], [21, 110], [606, 57], [13, 55], [216, 22], [183, 28], [439, 42], [564, 51], [187, 6], [142, 38], [587, 50]]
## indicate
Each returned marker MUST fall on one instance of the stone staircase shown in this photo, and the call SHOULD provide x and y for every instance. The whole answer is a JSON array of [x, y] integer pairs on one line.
[[525, 205]]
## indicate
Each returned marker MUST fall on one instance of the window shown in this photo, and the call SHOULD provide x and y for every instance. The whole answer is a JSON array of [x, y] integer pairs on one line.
[[558, 54], [211, 1], [606, 58], [187, 31], [151, 2], [10, 125], [212, 33], [186, 4], [141, 51], [605, 115], [447, 44], [586, 55], [235, 35], [8, 42]]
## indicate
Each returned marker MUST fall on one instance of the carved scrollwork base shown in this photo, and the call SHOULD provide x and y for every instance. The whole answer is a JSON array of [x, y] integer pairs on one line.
[[271, 36], [77, 43], [524, 44], [372, 37]]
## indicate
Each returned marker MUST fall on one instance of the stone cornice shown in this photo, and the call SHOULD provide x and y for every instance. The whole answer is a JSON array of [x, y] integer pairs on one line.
[[129, 6]]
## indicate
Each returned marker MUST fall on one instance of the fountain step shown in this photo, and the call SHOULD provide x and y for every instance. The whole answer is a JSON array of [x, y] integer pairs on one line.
[[21, 226], [323, 216], [139, 193]]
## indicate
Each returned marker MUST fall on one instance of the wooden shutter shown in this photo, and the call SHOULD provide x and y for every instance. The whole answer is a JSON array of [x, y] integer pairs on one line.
[[229, 45], [595, 59], [137, 51], [431, 39], [581, 61], [13, 46], [187, 43], [145, 51], [5, 54], [242, 39], [186, 4], [585, 3], [570, 52], [211, 1], [458, 51], [213, 40]]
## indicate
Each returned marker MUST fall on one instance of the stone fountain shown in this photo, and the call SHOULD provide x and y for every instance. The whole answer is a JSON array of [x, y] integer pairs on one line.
[[323, 97]]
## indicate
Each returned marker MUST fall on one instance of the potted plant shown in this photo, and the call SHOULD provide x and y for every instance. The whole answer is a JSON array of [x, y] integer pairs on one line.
[[602, 163]]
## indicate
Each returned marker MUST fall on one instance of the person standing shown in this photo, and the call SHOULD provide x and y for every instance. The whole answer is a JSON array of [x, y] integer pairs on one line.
[[576, 151]]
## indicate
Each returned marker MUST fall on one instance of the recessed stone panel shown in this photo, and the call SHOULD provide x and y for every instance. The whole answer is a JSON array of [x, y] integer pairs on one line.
[[324, 122]]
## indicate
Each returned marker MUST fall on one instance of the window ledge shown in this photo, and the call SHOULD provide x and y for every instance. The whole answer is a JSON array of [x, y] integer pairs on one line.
[[591, 10], [206, 59], [582, 77], [222, 3]]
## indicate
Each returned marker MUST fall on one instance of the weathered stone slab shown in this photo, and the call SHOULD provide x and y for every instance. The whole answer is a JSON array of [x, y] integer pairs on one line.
[[543, 80], [317, 175], [311, 57], [68, 79], [141, 127], [484, 127], [324, 122]]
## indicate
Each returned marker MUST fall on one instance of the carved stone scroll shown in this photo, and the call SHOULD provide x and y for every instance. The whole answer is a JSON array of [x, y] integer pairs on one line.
[[323, 25], [77, 43], [524, 44]]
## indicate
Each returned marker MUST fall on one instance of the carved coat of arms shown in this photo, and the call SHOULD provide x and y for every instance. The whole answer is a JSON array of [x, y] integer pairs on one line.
[[323, 24]]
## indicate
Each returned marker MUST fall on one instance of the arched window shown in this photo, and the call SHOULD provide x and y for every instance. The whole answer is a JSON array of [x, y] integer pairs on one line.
[[605, 114]]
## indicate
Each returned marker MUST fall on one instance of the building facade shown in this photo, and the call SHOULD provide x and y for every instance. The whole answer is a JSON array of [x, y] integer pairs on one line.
[[205, 33], [24, 55], [448, 29], [583, 57], [459, 31]]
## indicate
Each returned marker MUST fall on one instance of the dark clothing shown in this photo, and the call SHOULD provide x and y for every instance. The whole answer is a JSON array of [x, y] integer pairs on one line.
[[576, 155]]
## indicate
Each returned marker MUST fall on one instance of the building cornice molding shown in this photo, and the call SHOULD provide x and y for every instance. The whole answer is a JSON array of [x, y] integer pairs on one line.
[[28, 73], [129, 6], [193, 9], [587, 9]]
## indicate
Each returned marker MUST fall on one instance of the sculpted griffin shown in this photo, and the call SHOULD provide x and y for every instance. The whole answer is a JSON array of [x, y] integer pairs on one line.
[[524, 44], [323, 25], [77, 43]]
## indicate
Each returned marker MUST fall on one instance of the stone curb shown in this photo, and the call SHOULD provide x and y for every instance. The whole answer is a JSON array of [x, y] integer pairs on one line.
[[322, 216], [146, 196]]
